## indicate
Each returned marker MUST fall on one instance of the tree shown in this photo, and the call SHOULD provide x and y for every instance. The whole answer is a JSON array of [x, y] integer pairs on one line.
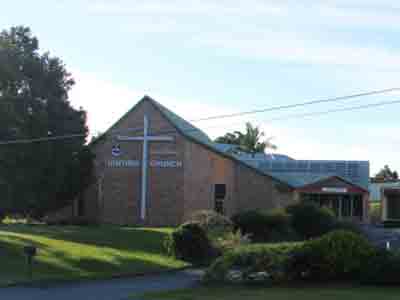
[[250, 141], [387, 174], [34, 86]]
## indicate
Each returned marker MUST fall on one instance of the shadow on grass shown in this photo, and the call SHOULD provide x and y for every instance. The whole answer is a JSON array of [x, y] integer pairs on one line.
[[121, 238], [99, 252]]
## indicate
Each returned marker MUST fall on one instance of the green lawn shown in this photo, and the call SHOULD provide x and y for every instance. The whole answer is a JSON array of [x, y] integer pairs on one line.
[[72, 252], [277, 293]]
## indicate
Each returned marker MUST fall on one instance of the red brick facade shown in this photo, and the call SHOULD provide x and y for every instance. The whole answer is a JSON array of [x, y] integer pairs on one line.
[[174, 193]]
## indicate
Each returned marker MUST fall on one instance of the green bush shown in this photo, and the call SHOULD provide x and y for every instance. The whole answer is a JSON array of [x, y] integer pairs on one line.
[[262, 226], [210, 220], [382, 268], [190, 242], [311, 221], [231, 240], [336, 255], [349, 226], [375, 214], [250, 259]]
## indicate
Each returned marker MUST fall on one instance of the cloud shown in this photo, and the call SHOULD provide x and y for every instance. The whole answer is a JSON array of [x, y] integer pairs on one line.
[[107, 101], [182, 7], [307, 32], [104, 101], [288, 48]]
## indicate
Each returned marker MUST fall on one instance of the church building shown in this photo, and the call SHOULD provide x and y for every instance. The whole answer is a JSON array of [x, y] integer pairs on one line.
[[154, 168]]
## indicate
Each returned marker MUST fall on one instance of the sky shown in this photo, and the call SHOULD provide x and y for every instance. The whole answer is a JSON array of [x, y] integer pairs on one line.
[[205, 58]]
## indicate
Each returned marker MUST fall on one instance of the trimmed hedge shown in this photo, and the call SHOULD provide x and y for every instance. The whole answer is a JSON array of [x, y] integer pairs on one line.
[[190, 242], [264, 226], [310, 220], [210, 220], [269, 258], [382, 268], [339, 255]]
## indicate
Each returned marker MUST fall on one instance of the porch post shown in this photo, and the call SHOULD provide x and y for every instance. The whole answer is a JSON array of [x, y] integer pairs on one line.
[[383, 205], [351, 205], [340, 207]]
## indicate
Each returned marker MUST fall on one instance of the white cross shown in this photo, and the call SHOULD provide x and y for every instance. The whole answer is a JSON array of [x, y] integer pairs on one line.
[[146, 138]]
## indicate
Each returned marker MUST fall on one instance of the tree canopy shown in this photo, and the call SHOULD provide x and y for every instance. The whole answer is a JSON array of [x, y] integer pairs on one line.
[[386, 174], [251, 141], [38, 176]]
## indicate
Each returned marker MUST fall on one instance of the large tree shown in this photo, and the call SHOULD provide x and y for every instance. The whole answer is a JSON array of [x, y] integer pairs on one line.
[[38, 176], [387, 174], [251, 141]]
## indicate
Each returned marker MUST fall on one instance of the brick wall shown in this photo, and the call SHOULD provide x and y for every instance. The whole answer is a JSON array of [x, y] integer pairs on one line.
[[118, 199]]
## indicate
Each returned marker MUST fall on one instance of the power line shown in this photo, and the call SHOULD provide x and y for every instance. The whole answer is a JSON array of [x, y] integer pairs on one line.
[[350, 108], [282, 107], [41, 139], [274, 108], [295, 116], [345, 109]]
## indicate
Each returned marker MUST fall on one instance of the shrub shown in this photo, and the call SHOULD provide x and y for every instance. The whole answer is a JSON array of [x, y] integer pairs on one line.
[[336, 255], [382, 268], [310, 221], [244, 262], [232, 240], [212, 221], [262, 226], [2, 216], [349, 226], [190, 242], [375, 212]]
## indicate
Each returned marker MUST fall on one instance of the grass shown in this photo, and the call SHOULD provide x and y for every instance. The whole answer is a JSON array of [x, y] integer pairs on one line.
[[276, 293], [375, 205], [375, 212], [71, 252]]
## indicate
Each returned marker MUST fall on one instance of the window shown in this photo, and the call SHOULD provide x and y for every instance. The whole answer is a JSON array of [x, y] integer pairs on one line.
[[219, 197]]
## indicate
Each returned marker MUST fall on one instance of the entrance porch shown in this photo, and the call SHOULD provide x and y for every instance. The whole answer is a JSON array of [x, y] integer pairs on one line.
[[345, 206], [390, 204]]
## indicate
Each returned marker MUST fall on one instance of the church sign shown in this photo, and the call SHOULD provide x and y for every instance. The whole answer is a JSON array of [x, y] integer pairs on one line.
[[129, 163]]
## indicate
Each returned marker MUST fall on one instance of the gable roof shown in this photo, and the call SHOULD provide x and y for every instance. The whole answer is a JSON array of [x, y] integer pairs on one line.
[[301, 180], [187, 130]]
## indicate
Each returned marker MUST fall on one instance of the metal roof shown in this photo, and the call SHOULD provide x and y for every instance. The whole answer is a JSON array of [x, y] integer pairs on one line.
[[295, 173], [355, 172]]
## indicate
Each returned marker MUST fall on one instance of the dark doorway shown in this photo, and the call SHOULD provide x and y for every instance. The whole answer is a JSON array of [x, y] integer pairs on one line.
[[219, 198]]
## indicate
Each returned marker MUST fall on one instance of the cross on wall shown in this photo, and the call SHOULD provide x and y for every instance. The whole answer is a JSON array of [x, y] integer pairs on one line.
[[145, 139]]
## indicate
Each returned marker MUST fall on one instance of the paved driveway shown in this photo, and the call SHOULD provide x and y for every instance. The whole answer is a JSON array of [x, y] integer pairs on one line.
[[114, 289]]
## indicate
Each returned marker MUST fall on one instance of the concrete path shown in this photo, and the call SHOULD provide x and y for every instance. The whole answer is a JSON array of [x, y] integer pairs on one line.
[[114, 289]]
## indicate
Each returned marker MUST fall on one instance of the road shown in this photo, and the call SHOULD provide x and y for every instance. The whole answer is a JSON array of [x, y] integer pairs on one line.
[[113, 289]]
